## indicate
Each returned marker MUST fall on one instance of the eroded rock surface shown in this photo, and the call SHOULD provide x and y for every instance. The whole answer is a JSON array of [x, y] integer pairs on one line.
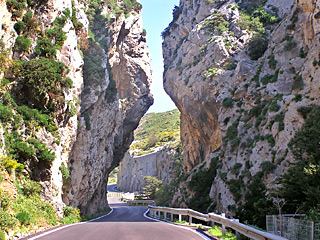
[[243, 107]]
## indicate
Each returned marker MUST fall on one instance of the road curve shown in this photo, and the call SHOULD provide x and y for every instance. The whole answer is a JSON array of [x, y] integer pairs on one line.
[[124, 223]]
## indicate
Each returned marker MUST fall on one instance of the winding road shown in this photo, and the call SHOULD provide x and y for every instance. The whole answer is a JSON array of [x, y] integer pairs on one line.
[[123, 223]]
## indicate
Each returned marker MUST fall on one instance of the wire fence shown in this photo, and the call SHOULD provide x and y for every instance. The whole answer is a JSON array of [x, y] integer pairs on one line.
[[293, 228]]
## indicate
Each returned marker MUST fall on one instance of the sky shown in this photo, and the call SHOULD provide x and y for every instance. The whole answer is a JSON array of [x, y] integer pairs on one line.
[[157, 14]]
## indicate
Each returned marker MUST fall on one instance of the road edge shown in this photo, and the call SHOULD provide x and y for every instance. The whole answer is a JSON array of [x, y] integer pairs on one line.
[[66, 226], [192, 230]]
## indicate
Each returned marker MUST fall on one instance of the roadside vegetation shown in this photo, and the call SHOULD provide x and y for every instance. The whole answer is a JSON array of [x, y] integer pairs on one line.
[[113, 176]]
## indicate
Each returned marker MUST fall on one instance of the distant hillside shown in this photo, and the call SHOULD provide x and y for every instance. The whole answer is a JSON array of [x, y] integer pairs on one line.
[[155, 130]]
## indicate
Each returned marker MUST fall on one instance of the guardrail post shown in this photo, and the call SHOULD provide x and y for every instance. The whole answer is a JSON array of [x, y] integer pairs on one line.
[[180, 218], [190, 220], [165, 215], [171, 217], [237, 234], [223, 226], [212, 223]]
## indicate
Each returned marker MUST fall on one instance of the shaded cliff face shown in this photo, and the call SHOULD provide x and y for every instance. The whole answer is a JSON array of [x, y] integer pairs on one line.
[[91, 113], [238, 80], [113, 115]]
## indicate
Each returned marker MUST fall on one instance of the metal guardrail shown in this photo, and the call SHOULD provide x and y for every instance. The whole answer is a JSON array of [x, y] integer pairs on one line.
[[214, 218]]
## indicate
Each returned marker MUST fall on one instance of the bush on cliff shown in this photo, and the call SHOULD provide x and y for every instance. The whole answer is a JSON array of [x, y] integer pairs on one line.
[[300, 186]]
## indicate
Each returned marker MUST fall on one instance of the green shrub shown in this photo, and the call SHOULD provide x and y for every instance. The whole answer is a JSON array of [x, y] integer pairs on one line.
[[16, 7], [144, 32], [300, 182], [297, 82], [7, 221], [257, 204], [200, 184], [23, 44], [216, 23], [232, 131], [290, 45], [267, 167], [274, 107], [227, 102], [34, 115], [65, 172], [70, 215], [270, 140], [87, 121], [45, 48], [19, 27], [44, 93], [30, 21], [270, 78], [77, 25], [236, 168], [297, 98], [1, 178], [302, 54], [248, 22], [236, 186], [10, 164], [304, 111], [24, 218], [39, 211], [30, 188], [151, 186], [43, 153], [57, 35], [272, 62], [211, 72], [2, 235], [5, 202], [6, 114], [257, 47]]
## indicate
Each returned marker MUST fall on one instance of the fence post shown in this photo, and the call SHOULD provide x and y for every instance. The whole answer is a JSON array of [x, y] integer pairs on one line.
[[312, 230], [190, 220], [223, 226], [180, 218], [237, 234], [171, 217]]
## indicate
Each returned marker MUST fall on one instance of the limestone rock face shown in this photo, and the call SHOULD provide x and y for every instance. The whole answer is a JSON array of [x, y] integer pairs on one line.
[[246, 108], [105, 109], [96, 152], [132, 169]]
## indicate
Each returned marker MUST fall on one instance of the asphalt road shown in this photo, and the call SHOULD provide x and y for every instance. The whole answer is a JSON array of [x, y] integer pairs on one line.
[[124, 222]]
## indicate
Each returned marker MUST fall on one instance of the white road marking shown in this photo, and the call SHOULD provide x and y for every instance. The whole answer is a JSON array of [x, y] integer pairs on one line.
[[192, 230], [66, 226]]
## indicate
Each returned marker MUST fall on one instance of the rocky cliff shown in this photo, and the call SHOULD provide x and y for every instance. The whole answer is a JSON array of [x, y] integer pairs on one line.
[[158, 164], [240, 72], [156, 151], [75, 79]]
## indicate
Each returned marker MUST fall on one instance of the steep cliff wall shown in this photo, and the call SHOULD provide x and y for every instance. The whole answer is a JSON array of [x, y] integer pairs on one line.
[[158, 164], [83, 116], [238, 72]]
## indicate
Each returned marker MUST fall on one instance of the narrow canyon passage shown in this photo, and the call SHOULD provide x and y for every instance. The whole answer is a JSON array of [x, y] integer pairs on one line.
[[123, 223]]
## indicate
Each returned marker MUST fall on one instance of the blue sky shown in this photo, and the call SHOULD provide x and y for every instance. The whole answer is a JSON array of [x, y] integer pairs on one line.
[[157, 14]]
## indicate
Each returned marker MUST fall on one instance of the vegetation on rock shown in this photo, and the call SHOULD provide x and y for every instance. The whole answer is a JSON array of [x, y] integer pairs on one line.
[[155, 130]]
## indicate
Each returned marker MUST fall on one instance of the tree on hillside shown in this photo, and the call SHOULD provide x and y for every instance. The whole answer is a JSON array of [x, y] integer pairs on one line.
[[300, 184], [151, 186]]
